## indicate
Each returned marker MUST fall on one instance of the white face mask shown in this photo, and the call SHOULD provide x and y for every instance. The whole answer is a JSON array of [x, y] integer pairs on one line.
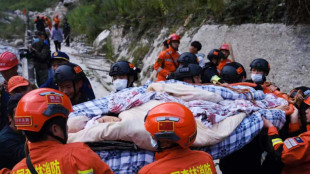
[[120, 84], [257, 78]]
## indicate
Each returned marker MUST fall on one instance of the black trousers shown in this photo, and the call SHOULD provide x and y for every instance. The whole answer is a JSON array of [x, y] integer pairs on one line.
[[67, 37], [57, 45]]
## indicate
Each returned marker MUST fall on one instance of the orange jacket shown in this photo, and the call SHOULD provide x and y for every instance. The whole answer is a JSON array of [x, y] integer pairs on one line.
[[49, 23], [53, 157], [5, 171], [296, 151], [222, 64], [56, 20], [178, 160], [166, 63]]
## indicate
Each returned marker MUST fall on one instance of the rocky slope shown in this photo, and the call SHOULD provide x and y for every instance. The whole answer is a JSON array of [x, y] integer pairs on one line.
[[287, 48]]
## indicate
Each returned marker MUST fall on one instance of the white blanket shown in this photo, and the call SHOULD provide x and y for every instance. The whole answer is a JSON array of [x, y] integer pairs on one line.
[[131, 128]]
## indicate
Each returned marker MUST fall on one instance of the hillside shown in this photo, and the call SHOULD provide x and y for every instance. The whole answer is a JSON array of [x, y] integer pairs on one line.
[[277, 30]]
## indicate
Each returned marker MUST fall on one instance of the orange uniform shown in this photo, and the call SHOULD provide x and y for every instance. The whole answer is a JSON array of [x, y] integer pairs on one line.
[[53, 157], [5, 171], [49, 23], [166, 63], [178, 160], [295, 151], [222, 64], [56, 21]]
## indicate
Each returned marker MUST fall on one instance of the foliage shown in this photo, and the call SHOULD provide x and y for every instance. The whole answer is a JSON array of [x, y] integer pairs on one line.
[[139, 54], [254, 11], [32, 5], [92, 16], [13, 29], [109, 50]]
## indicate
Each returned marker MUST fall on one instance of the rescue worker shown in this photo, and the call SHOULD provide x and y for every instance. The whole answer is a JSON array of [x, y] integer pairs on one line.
[[42, 116], [233, 73], [71, 80], [66, 31], [40, 56], [295, 124], [18, 84], [57, 59], [294, 152], [173, 130], [298, 94], [189, 74], [195, 48], [12, 143], [165, 45], [48, 22], [259, 70], [8, 68], [225, 50], [167, 59], [56, 20], [124, 74], [249, 157], [39, 24], [209, 71], [187, 58]]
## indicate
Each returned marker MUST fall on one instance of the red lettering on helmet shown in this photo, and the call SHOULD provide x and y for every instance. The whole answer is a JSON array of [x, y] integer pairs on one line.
[[54, 99], [23, 120]]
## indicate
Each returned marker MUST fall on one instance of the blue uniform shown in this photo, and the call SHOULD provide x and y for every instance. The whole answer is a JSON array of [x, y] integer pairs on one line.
[[12, 147]]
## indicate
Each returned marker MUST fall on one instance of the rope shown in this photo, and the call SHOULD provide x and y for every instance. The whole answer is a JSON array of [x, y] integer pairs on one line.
[[240, 91]]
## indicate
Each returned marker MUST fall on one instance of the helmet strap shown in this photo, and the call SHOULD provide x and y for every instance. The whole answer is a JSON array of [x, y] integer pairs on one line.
[[193, 80], [129, 84], [170, 44], [74, 88], [75, 91]]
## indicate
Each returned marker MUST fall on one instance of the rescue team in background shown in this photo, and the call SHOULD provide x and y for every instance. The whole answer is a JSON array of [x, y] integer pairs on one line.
[[41, 114]]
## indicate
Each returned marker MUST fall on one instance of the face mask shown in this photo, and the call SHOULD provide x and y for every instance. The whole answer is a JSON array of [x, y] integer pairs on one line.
[[36, 40], [257, 78], [120, 84]]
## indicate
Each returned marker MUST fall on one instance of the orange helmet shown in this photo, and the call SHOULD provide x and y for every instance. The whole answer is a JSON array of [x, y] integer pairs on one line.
[[173, 37], [40, 105], [7, 60], [224, 47], [17, 81], [172, 121], [307, 100]]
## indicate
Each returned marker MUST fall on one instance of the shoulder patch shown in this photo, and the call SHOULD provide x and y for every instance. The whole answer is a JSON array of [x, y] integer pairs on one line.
[[298, 140], [289, 143]]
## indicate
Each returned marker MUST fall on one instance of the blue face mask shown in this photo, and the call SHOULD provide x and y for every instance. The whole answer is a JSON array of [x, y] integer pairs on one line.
[[36, 40]]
